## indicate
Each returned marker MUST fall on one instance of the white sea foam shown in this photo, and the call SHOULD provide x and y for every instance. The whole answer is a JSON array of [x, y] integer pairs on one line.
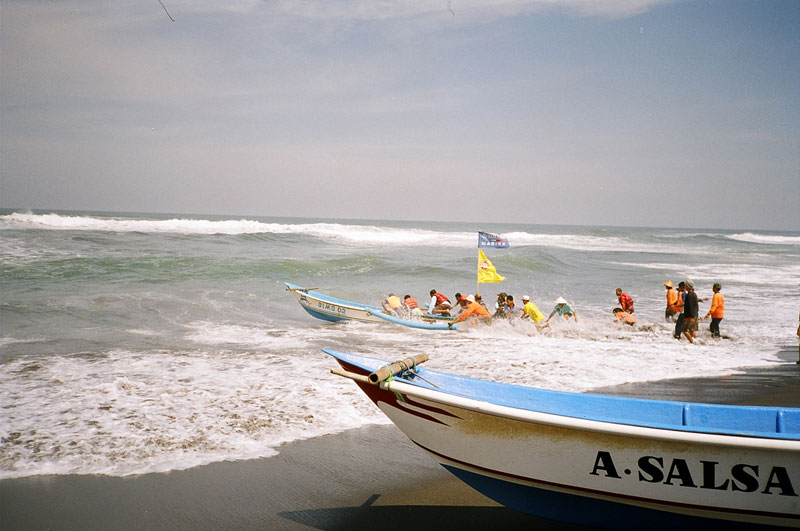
[[772, 239], [357, 234], [584, 242], [778, 275], [361, 234], [132, 412], [343, 233]]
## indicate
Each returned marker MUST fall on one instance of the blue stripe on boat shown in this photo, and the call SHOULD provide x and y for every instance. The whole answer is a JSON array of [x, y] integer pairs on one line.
[[751, 421]]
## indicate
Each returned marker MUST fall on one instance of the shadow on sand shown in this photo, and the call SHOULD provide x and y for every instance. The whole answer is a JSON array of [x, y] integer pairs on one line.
[[419, 517]]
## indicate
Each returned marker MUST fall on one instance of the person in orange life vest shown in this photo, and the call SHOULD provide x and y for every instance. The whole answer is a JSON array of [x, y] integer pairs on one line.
[[439, 303], [625, 301], [458, 307], [717, 310], [672, 301], [625, 317], [411, 306], [473, 308]]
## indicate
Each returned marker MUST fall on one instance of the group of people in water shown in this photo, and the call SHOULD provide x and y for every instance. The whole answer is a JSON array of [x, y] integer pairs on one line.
[[474, 308], [682, 308]]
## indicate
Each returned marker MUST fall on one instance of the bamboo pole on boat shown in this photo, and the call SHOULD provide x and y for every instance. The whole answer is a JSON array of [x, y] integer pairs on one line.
[[478, 273], [397, 367], [352, 375]]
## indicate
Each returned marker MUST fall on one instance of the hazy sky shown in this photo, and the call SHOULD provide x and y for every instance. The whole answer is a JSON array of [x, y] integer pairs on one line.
[[621, 112]]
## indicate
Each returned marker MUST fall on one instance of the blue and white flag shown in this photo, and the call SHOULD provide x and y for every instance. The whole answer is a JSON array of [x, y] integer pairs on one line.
[[491, 240]]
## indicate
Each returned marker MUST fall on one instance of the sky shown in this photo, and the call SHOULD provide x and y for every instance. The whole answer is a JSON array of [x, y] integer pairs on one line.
[[622, 112]]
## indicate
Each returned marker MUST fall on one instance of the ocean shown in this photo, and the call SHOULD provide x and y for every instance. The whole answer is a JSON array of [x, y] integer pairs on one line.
[[136, 343]]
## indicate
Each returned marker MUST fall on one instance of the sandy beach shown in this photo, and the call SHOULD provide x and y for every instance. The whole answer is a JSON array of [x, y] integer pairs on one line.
[[366, 478]]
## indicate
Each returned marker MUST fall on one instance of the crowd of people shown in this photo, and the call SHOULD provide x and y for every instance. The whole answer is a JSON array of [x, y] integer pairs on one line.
[[682, 308], [473, 308]]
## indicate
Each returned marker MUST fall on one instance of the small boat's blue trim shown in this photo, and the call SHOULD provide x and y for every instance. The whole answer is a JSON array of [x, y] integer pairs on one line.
[[748, 421], [332, 300], [414, 324], [585, 510], [325, 316]]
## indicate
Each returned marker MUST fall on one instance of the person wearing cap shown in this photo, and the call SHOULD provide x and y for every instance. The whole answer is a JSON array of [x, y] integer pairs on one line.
[[717, 310], [690, 312], [473, 308], [563, 308], [672, 301], [625, 301], [530, 311]]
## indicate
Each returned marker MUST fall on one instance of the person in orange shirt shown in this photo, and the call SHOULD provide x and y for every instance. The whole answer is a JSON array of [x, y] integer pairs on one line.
[[717, 310], [625, 317], [672, 301], [473, 308]]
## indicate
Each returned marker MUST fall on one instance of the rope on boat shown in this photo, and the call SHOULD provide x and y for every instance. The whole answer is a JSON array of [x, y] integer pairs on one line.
[[387, 372], [398, 367]]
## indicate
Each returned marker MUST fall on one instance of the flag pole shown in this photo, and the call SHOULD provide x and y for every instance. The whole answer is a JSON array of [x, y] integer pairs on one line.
[[478, 273]]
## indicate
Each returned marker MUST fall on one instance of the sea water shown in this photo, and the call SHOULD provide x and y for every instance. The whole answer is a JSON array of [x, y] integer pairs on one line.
[[142, 343]]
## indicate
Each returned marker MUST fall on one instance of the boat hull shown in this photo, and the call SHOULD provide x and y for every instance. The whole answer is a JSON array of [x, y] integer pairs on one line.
[[330, 309], [336, 310], [599, 473]]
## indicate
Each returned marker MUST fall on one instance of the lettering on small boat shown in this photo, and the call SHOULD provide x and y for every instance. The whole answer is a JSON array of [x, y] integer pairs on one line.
[[741, 477], [332, 308], [324, 306]]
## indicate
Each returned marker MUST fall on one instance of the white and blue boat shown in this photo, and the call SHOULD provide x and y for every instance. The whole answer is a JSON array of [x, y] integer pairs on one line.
[[336, 310], [605, 461]]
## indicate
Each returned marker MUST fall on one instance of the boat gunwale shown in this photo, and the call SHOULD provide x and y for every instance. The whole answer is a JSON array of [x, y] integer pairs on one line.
[[669, 433], [684, 433], [327, 298]]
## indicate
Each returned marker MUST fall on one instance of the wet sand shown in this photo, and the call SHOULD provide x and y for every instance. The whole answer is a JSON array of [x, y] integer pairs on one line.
[[368, 478]]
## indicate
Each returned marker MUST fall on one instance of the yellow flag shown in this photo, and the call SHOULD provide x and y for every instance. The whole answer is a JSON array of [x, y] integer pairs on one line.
[[486, 271]]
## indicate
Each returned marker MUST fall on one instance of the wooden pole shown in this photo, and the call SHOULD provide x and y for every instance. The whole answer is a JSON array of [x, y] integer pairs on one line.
[[478, 275], [396, 367]]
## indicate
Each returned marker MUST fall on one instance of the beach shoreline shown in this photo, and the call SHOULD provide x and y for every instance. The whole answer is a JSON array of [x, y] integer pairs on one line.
[[359, 479]]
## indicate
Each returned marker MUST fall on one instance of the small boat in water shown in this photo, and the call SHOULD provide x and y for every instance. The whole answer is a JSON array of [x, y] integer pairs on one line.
[[332, 309], [605, 461]]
